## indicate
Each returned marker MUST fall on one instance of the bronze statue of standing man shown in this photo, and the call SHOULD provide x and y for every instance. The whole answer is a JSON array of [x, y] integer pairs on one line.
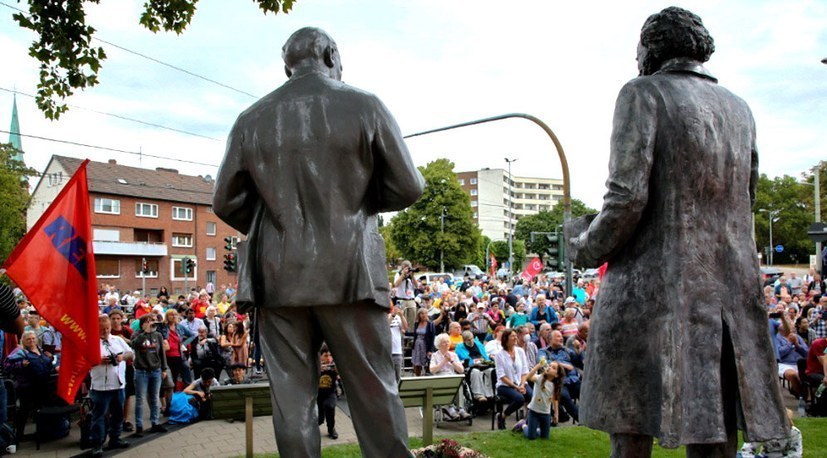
[[679, 347], [307, 169]]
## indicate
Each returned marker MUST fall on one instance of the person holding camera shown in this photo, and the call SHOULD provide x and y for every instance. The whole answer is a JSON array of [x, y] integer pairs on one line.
[[404, 290], [107, 389]]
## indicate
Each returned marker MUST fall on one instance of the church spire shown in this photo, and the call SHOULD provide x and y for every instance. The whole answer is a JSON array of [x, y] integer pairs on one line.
[[14, 132]]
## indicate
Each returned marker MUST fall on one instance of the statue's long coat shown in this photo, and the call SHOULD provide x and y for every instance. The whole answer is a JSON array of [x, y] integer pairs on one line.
[[308, 169], [676, 229]]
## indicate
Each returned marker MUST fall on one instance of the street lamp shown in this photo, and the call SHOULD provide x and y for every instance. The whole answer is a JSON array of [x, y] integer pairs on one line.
[[510, 215], [773, 217], [442, 236]]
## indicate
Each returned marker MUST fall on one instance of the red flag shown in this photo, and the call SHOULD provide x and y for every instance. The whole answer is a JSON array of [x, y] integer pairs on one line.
[[493, 265], [601, 271], [55, 267], [533, 268]]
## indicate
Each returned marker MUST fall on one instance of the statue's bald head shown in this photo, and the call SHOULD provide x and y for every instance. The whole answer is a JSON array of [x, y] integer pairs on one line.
[[311, 47]]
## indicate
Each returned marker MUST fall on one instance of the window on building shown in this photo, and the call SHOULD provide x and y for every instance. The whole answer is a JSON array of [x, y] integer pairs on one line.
[[473, 181], [473, 203], [177, 272], [55, 178], [182, 213], [182, 240], [462, 181], [209, 209], [151, 265], [107, 268], [148, 235], [211, 228], [210, 254], [106, 235], [476, 215], [104, 205], [473, 192], [211, 277], [146, 210]]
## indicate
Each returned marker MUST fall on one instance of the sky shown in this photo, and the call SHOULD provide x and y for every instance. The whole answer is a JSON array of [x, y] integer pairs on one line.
[[433, 63]]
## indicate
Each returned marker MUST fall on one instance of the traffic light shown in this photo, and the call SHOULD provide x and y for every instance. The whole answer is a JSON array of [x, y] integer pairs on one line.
[[554, 251], [229, 243], [144, 267], [230, 262], [189, 265]]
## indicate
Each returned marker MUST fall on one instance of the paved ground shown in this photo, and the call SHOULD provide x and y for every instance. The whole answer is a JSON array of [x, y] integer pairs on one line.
[[219, 438]]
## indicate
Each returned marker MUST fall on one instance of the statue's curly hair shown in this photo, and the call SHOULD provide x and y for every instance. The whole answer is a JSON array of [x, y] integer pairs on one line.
[[674, 32]]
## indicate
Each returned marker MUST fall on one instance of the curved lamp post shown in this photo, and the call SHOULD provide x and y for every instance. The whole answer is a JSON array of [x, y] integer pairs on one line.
[[563, 163]]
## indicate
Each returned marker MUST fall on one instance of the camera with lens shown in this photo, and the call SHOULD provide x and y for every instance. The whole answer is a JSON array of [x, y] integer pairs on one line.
[[113, 359]]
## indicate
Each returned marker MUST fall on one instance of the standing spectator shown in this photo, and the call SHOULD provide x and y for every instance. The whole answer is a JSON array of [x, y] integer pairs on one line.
[[326, 399], [206, 353], [192, 322], [512, 374], [150, 363], [399, 326], [423, 341], [237, 338], [547, 381], [795, 283], [403, 291], [107, 389], [213, 322], [125, 332], [31, 370]]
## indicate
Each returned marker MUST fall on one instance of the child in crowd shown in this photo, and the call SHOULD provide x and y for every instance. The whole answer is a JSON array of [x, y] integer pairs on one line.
[[327, 392], [548, 382]]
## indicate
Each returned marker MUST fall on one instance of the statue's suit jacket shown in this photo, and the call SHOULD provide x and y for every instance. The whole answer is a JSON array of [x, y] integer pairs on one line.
[[676, 229], [307, 169]]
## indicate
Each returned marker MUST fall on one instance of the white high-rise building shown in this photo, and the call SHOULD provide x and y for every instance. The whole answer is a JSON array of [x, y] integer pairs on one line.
[[499, 202]]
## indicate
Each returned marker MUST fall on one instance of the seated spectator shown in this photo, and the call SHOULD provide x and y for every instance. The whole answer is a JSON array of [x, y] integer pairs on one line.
[[446, 362], [547, 385], [570, 362], [455, 334], [817, 363], [423, 345], [525, 342], [802, 328], [238, 375], [518, 318], [569, 323], [791, 348], [326, 399], [472, 354], [577, 342], [31, 369], [200, 391], [542, 313], [494, 346], [512, 375]]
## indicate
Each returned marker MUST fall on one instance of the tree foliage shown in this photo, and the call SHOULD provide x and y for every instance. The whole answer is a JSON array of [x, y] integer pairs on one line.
[[416, 232], [500, 250], [794, 203], [63, 46], [546, 221], [14, 198]]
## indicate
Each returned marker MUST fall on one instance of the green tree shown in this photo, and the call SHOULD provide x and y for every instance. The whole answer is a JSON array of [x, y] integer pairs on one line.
[[68, 61], [416, 232], [14, 198], [789, 198], [500, 250], [546, 221]]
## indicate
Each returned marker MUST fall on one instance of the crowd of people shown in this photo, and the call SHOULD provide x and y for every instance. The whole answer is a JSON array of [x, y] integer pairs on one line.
[[523, 342], [152, 346], [523, 332]]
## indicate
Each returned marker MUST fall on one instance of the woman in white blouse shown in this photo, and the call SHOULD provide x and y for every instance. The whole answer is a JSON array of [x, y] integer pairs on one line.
[[512, 374]]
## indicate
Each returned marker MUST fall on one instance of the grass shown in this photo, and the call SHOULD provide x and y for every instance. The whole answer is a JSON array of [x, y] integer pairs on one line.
[[574, 443]]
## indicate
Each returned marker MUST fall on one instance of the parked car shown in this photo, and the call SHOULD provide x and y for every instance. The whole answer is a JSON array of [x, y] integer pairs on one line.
[[431, 277], [770, 274], [469, 269], [590, 274]]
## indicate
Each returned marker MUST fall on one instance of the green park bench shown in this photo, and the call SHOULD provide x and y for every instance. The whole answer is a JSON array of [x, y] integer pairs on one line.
[[426, 392], [242, 402]]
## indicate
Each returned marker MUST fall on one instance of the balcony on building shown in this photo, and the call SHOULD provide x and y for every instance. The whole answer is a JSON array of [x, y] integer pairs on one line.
[[145, 242]]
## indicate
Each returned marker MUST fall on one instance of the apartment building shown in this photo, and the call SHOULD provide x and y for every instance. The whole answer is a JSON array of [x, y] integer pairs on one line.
[[499, 201], [159, 216]]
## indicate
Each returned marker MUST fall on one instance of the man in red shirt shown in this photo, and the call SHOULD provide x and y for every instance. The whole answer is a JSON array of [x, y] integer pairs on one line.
[[817, 362]]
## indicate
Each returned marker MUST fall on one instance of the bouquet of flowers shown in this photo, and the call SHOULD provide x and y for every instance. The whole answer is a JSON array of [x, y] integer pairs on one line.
[[447, 448]]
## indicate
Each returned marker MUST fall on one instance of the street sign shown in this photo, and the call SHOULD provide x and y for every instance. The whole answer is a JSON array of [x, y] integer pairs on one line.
[[817, 232], [779, 248]]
